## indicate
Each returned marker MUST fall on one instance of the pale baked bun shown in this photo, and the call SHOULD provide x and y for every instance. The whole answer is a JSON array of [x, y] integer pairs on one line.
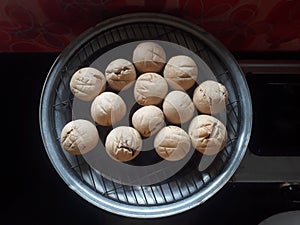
[[86, 83], [181, 72], [108, 108], [208, 134], [150, 89], [120, 74], [172, 143], [149, 56], [123, 143], [210, 97], [79, 137], [178, 107], [148, 120]]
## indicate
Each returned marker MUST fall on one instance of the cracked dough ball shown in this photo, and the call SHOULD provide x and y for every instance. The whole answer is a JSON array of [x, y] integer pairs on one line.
[[79, 136], [123, 143], [181, 72], [86, 83], [108, 108], [208, 134], [148, 120], [210, 97], [178, 107], [149, 57], [120, 74], [172, 143], [150, 89]]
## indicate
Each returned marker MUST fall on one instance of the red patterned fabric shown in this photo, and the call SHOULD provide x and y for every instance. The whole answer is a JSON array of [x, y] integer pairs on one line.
[[241, 25]]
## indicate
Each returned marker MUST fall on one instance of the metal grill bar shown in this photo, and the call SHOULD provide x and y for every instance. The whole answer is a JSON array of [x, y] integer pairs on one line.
[[154, 196], [163, 194], [135, 197]]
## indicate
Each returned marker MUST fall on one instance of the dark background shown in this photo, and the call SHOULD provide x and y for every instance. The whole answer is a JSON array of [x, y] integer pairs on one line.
[[33, 193]]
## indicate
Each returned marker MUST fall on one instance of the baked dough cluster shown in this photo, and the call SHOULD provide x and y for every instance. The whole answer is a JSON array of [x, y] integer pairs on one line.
[[108, 108], [172, 143], [123, 143], [210, 97], [148, 120], [149, 56], [178, 107], [168, 96], [120, 74], [181, 72], [79, 136], [208, 134], [150, 89], [87, 82]]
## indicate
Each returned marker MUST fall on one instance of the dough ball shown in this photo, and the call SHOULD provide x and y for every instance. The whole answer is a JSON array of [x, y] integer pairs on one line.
[[86, 83], [120, 74], [108, 108], [79, 137], [148, 120], [208, 134], [149, 57], [181, 72], [172, 143], [178, 107], [123, 143], [210, 97], [150, 89]]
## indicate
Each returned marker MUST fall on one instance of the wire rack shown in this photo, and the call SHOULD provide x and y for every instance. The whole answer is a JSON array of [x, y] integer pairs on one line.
[[187, 188]]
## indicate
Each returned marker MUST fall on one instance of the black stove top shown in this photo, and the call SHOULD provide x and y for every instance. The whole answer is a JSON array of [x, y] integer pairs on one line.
[[35, 194]]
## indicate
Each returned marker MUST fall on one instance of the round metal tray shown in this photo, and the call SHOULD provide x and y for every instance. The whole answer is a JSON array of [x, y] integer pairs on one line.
[[194, 182]]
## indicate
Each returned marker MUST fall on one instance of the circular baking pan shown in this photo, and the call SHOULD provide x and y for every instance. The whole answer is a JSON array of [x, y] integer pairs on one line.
[[191, 183]]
